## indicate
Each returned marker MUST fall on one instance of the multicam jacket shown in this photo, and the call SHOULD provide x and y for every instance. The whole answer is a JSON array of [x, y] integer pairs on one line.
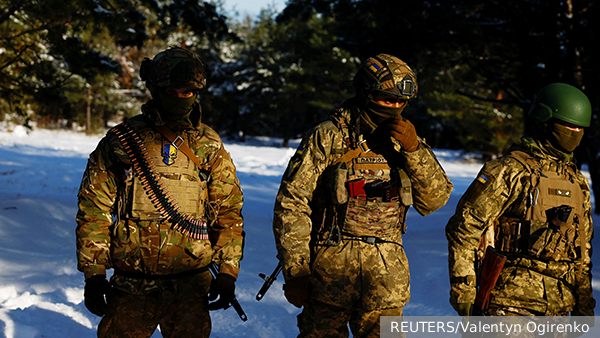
[[118, 229], [316, 223], [548, 274]]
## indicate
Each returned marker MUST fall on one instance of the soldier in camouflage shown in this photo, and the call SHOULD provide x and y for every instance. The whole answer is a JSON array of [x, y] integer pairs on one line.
[[341, 208], [533, 206], [159, 253]]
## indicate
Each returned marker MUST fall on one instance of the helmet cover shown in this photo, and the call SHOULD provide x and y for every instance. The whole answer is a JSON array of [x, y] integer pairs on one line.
[[386, 75], [176, 68]]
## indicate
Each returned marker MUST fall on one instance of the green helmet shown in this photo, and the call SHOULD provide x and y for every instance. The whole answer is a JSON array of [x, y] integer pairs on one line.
[[563, 102], [386, 75], [175, 67]]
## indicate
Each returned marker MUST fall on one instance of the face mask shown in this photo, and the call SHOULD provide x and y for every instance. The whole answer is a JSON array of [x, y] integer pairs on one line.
[[375, 114], [563, 138], [176, 110]]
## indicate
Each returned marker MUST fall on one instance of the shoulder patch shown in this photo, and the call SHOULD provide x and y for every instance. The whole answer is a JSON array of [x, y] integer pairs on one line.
[[295, 162], [482, 179], [477, 187]]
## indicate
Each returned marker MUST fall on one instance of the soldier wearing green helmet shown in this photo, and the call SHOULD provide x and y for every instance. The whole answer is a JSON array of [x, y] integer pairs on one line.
[[159, 201], [341, 208], [532, 206]]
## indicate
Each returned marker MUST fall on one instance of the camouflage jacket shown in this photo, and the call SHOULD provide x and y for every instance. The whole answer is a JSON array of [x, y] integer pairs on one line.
[[305, 187], [107, 237], [501, 190]]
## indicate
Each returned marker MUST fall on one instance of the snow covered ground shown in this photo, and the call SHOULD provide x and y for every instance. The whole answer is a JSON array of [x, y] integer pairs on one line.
[[41, 292]]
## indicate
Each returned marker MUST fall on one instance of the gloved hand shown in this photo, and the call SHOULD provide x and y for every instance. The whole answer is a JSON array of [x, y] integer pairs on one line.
[[402, 130], [94, 293], [297, 291], [223, 287]]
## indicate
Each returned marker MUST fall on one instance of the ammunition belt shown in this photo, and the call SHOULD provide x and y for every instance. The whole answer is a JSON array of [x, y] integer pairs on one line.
[[153, 186]]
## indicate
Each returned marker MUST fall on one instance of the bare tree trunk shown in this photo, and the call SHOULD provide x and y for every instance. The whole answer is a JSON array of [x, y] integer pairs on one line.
[[88, 115]]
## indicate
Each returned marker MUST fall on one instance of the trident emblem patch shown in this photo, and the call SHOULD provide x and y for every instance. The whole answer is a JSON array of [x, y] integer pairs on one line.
[[169, 154]]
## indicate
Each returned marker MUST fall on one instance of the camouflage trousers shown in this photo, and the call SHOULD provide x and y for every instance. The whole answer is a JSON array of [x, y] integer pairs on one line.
[[321, 320], [138, 316], [529, 324], [502, 310]]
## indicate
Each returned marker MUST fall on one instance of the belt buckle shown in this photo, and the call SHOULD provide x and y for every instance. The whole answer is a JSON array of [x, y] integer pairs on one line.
[[369, 239]]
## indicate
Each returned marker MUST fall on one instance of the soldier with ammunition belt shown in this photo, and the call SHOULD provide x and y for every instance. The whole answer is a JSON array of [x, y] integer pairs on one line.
[[159, 203]]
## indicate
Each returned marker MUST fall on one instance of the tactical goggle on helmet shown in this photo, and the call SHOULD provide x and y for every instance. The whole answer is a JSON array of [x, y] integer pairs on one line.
[[386, 75], [176, 68]]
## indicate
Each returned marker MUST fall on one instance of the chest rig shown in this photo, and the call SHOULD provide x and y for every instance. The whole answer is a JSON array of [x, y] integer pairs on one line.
[[369, 197], [180, 177], [164, 186], [551, 228]]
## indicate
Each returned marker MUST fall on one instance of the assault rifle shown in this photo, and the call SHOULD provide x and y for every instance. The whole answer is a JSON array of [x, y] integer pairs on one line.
[[268, 281], [214, 271], [493, 262]]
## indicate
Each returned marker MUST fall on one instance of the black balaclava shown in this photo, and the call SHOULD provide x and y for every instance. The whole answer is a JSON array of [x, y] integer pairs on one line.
[[374, 114], [174, 111]]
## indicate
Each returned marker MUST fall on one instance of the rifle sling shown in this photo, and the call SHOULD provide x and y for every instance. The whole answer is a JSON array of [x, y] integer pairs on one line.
[[169, 135]]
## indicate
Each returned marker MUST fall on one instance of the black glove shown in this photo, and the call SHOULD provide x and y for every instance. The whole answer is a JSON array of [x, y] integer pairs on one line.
[[224, 287], [94, 293], [297, 291]]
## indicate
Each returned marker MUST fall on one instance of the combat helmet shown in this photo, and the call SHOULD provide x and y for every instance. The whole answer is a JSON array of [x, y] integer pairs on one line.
[[174, 67], [563, 102], [385, 75]]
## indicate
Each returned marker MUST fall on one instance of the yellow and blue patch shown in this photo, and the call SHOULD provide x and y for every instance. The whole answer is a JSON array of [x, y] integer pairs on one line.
[[482, 179], [374, 68], [169, 154]]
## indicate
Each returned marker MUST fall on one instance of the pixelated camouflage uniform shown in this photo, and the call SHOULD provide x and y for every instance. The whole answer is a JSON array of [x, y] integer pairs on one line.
[[352, 278], [527, 284], [150, 247]]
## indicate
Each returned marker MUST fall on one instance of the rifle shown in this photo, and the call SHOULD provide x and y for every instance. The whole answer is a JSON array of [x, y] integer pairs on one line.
[[214, 271], [268, 281], [493, 262]]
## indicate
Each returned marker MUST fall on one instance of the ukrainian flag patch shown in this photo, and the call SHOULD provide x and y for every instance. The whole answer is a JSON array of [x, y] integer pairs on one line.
[[482, 179], [374, 68]]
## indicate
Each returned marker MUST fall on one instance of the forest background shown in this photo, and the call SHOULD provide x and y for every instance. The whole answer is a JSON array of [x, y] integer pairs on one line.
[[74, 64]]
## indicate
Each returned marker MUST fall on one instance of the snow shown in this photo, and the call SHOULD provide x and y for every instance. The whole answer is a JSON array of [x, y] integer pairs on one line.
[[41, 291]]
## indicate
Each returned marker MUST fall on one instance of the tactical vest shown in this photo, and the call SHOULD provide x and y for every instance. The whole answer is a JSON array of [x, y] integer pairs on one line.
[[551, 229], [369, 202], [376, 205], [180, 176]]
